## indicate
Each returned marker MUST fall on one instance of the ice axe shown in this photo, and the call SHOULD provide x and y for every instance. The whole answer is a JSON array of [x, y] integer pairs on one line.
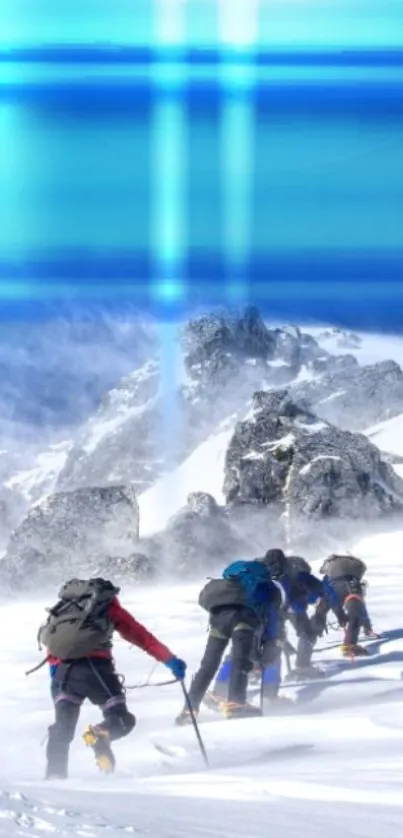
[[194, 723]]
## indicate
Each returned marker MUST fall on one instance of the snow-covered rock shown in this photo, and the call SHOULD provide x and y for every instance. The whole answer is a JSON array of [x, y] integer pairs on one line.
[[148, 422], [284, 455], [213, 343], [70, 533], [197, 538], [128, 569], [354, 397], [335, 337]]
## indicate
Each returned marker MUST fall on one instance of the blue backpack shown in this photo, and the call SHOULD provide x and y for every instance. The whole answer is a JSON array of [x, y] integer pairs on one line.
[[254, 578]]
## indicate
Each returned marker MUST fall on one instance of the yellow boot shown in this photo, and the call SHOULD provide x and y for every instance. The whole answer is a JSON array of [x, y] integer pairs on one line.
[[236, 710], [213, 701], [185, 717], [97, 738], [353, 650]]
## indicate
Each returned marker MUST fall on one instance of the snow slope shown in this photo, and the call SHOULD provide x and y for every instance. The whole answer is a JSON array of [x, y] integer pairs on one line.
[[202, 471], [388, 436], [333, 766]]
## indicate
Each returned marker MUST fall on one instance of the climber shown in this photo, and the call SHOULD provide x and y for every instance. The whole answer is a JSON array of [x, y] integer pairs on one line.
[[242, 603], [78, 637], [299, 589], [345, 574]]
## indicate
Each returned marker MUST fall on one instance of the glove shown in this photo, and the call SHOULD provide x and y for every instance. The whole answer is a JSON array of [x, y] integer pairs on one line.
[[177, 667], [52, 669]]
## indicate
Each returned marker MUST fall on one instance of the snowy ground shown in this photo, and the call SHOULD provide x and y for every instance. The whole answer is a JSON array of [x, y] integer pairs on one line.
[[334, 766]]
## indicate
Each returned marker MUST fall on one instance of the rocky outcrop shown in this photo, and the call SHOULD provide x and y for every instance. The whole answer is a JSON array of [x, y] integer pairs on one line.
[[155, 418], [132, 569], [355, 397], [284, 456], [340, 338], [71, 533], [197, 538], [214, 343]]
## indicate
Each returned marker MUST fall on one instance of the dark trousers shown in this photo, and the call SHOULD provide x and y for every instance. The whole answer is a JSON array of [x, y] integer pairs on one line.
[[265, 656], [94, 679], [226, 624], [307, 637], [353, 613]]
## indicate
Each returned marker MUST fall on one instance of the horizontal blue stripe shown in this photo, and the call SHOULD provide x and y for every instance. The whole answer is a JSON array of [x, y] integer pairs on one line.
[[134, 55], [130, 94], [365, 313], [298, 293], [321, 268]]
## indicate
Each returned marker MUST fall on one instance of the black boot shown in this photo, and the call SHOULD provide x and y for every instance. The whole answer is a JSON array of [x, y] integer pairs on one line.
[[305, 673], [56, 775], [57, 756]]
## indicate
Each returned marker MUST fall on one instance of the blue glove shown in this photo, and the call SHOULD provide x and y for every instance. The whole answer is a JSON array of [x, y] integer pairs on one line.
[[177, 667], [52, 669]]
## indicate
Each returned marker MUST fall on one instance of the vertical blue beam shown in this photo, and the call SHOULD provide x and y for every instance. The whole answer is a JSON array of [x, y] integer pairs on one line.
[[168, 233], [237, 31]]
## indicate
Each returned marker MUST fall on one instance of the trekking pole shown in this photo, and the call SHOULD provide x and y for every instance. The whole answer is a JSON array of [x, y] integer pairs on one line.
[[287, 660], [151, 684], [288, 650], [194, 723], [261, 694]]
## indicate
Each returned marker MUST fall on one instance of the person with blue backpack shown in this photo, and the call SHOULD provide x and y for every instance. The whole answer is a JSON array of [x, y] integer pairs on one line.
[[244, 602], [300, 588]]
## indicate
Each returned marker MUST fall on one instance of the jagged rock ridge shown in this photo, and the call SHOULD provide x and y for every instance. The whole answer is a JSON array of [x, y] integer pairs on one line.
[[71, 532], [140, 428]]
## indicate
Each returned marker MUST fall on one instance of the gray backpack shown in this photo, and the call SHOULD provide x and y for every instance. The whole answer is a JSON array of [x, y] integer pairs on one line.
[[338, 566], [221, 593], [79, 624]]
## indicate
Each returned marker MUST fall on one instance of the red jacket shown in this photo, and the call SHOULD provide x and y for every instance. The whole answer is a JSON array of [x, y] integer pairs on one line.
[[133, 632]]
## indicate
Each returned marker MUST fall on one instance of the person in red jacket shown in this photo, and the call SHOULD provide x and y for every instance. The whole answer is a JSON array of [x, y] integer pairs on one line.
[[94, 677]]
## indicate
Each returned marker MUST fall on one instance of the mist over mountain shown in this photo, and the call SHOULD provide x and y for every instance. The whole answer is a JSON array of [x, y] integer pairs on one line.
[[55, 367], [226, 431]]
